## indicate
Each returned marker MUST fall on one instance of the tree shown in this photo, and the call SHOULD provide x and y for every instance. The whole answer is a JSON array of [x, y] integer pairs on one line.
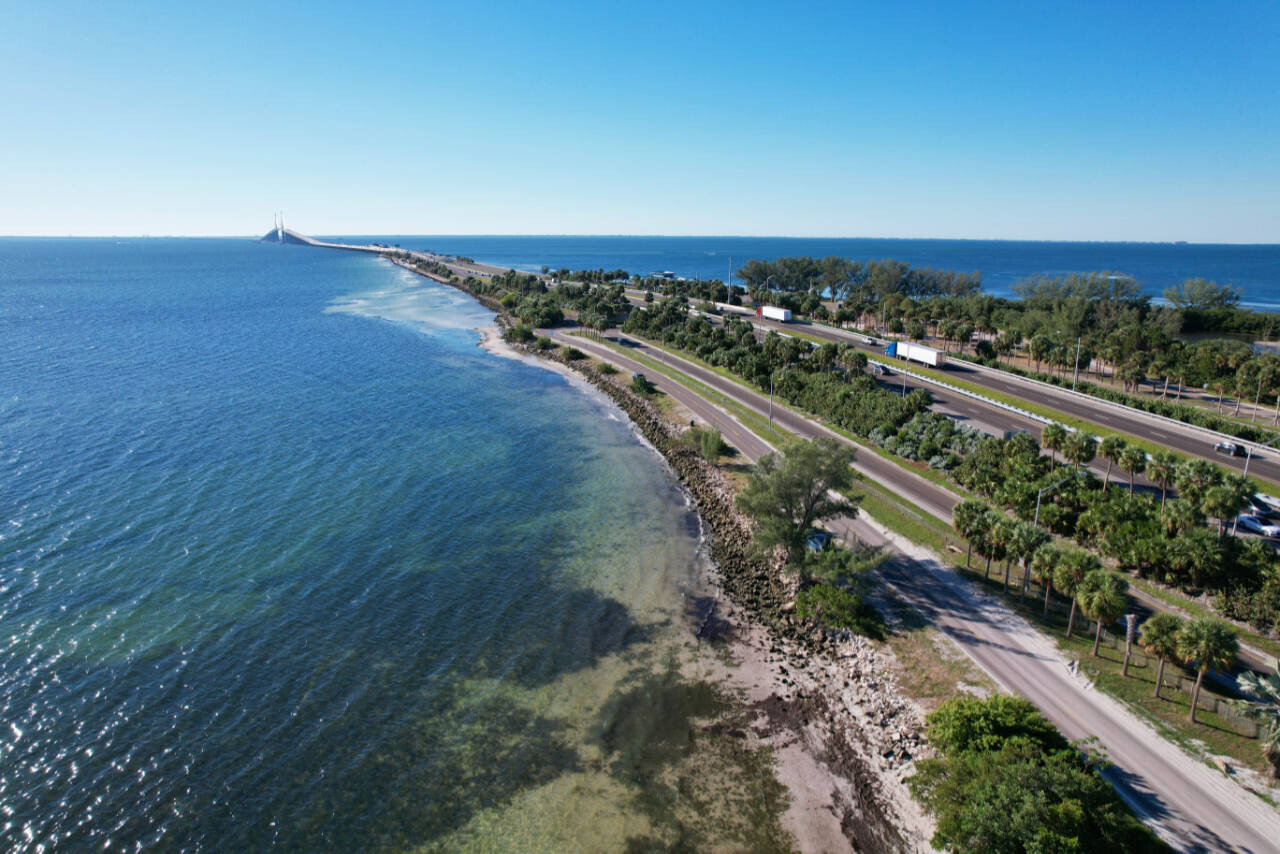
[[1202, 295], [1053, 437], [1194, 478], [1026, 539], [1080, 448], [971, 520], [1211, 645], [1103, 597], [1162, 468], [1044, 563], [966, 723], [1266, 710], [1111, 448], [999, 536], [1133, 461], [1159, 637], [1222, 503], [788, 492], [1072, 569]]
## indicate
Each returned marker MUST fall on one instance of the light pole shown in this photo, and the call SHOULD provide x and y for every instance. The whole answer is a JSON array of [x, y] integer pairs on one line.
[[1075, 373], [1248, 454], [772, 374], [1049, 488]]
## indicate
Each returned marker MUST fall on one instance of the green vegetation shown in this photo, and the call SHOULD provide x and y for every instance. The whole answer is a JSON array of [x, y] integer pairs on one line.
[[788, 493], [640, 384], [707, 441], [1098, 323], [1265, 710], [1006, 781]]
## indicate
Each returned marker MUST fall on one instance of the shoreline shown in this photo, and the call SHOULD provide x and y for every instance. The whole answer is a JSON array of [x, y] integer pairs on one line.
[[827, 709]]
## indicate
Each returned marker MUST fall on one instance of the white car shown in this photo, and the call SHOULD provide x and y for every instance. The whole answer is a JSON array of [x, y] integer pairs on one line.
[[1258, 525]]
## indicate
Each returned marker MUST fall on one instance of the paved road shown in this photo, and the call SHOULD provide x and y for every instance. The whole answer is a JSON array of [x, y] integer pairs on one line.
[[1192, 806], [1179, 437]]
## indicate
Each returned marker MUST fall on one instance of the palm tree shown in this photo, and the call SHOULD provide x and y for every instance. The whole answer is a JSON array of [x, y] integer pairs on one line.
[[1159, 637], [1133, 460], [1053, 437], [1211, 644], [1072, 568], [1194, 478], [971, 520], [999, 536], [1241, 491], [1111, 448], [1266, 711], [1162, 468], [1080, 447], [1103, 597], [1221, 503], [1044, 563], [1026, 539]]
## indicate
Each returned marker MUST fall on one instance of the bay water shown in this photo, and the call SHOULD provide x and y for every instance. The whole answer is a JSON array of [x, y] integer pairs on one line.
[[286, 560]]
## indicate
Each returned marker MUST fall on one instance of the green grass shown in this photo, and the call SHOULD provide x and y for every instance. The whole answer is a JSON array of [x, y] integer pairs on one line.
[[1199, 609], [749, 418], [1168, 714], [927, 473]]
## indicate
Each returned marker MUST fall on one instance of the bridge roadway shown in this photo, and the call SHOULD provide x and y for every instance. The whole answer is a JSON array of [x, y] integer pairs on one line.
[[1193, 807]]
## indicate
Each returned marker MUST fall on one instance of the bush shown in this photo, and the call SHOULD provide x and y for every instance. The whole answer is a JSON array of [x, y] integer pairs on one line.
[[641, 385], [573, 354], [542, 342], [518, 334], [606, 368], [838, 608], [707, 441]]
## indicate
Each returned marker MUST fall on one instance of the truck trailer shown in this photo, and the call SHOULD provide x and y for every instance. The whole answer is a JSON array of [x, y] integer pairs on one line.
[[916, 353], [772, 312]]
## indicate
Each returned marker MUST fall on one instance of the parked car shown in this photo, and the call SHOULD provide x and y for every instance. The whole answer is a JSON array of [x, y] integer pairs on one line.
[[1258, 525], [1231, 449], [817, 541]]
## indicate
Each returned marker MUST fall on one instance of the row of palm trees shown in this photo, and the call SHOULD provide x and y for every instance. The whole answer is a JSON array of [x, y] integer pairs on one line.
[[1100, 594], [1198, 481]]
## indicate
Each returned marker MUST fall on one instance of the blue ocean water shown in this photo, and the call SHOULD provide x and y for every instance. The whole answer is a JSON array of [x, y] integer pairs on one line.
[[286, 560], [1255, 268]]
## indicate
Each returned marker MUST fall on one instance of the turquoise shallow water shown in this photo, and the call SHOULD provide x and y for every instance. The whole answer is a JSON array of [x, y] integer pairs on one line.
[[285, 559]]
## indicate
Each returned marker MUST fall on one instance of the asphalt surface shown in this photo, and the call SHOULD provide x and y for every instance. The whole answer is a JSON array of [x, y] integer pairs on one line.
[[1192, 806], [1182, 438]]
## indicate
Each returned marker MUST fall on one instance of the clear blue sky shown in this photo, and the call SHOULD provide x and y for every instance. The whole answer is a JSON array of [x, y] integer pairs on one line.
[[1106, 121]]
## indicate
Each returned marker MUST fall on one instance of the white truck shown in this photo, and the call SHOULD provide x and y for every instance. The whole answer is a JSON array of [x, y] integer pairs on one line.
[[916, 353], [772, 312]]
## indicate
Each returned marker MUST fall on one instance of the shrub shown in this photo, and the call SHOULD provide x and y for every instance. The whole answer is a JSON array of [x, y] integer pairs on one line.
[[641, 385], [836, 607], [573, 354]]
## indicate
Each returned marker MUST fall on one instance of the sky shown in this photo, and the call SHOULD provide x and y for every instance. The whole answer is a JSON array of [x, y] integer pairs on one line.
[[1022, 120]]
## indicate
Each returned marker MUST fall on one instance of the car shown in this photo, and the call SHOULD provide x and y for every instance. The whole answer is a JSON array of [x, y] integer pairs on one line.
[[817, 541], [1258, 525], [1260, 507], [1231, 449]]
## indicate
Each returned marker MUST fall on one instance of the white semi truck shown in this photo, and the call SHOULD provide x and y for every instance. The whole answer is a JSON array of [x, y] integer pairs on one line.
[[772, 312], [916, 353]]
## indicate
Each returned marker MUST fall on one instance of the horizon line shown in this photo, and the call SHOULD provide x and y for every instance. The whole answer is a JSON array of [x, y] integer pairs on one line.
[[255, 236]]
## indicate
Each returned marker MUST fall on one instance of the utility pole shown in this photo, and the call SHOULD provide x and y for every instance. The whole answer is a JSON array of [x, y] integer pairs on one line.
[[1075, 374]]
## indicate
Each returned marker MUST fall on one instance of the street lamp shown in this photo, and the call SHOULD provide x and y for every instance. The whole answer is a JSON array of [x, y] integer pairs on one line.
[[1075, 373], [772, 374]]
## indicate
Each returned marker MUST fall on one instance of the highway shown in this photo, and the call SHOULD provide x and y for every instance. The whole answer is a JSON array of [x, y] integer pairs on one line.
[[1192, 806], [1183, 438]]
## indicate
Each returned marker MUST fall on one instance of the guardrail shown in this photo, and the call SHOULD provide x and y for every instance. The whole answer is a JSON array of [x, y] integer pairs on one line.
[[1031, 416], [1092, 399]]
